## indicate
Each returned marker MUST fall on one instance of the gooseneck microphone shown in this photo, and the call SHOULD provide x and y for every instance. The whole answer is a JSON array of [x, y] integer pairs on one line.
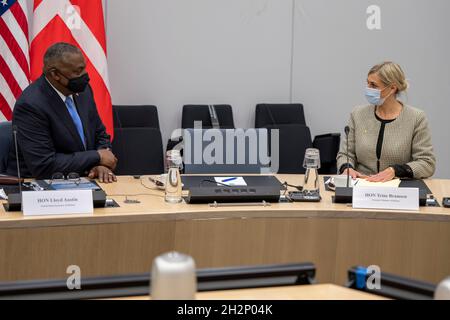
[[17, 159], [15, 199], [345, 194], [347, 131]]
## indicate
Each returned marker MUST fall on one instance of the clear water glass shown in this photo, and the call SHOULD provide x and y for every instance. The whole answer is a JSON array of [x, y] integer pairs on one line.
[[173, 190], [311, 163]]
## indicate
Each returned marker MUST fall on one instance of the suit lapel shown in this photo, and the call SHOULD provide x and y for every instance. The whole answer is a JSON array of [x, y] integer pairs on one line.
[[60, 109]]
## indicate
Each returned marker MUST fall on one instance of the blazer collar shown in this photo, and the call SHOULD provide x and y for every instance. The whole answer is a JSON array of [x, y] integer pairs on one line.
[[60, 109]]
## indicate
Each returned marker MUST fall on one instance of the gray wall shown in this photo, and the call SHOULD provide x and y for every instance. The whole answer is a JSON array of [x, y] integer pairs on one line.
[[242, 52]]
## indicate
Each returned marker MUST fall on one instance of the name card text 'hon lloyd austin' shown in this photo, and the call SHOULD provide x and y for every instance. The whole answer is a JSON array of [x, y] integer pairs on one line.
[[38, 203]]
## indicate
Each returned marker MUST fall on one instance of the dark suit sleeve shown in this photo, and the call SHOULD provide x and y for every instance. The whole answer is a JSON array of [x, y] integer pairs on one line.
[[102, 139], [36, 143]]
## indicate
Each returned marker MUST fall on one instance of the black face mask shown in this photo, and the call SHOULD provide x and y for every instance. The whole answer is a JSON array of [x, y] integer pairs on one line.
[[78, 84]]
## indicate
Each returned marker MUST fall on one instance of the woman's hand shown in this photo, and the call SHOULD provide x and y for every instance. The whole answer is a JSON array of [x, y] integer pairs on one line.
[[354, 174], [383, 176]]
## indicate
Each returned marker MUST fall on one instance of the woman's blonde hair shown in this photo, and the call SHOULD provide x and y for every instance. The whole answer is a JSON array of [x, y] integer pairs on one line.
[[391, 73]]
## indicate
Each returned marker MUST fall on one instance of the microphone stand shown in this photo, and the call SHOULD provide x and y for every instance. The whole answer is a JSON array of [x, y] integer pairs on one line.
[[14, 199], [345, 194], [347, 130]]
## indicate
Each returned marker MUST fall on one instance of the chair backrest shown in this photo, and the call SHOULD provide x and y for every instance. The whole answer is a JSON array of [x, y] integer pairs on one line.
[[276, 114], [226, 151], [328, 145], [135, 116], [6, 142], [294, 139], [192, 113], [139, 151]]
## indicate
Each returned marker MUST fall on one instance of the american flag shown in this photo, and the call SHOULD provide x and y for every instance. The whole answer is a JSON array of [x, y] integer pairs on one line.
[[14, 54], [79, 22]]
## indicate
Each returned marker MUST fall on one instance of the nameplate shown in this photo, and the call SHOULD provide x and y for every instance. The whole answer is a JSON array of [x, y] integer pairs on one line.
[[386, 198], [40, 203]]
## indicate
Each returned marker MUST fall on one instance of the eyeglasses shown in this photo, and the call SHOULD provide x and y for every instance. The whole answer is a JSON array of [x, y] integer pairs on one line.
[[60, 177]]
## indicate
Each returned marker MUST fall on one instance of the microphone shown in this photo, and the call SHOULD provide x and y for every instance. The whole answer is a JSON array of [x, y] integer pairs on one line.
[[14, 128], [347, 131], [345, 194], [15, 199]]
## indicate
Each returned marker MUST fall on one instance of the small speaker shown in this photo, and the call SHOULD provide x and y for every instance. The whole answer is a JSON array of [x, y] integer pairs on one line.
[[233, 194], [14, 202], [343, 195]]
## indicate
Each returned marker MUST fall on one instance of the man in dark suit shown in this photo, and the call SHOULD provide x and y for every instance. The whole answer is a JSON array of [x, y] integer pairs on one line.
[[58, 126]]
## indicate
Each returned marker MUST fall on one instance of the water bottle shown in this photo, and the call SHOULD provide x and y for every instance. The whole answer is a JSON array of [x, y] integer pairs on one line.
[[173, 277], [311, 163], [173, 180]]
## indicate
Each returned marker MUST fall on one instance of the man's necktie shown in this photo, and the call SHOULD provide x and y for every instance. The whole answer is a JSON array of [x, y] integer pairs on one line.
[[76, 118]]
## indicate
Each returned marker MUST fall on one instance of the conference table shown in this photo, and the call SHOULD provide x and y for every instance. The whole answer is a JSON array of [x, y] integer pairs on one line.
[[126, 239], [305, 292]]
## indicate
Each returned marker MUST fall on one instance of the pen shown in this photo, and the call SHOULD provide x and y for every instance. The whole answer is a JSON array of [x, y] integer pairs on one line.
[[229, 179]]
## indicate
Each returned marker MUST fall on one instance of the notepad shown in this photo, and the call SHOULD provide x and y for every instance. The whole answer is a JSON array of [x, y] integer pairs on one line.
[[341, 181], [231, 181], [364, 183]]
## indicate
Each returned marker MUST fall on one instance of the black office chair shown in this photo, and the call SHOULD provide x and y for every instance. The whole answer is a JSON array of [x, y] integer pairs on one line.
[[6, 142], [294, 139], [391, 286], [328, 144], [287, 116], [135, 116], [281, 113], [139, 151], [222, 113], [219, 116], [236, 152]]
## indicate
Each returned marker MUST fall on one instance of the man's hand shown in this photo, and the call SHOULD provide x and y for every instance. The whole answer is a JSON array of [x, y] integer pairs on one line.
[[104, 174], [107, 158], [383, 176], [354, 174]]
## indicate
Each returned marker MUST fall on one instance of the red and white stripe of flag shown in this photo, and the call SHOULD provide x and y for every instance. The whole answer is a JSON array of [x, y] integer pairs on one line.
[[81, 23], [14, 55]]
